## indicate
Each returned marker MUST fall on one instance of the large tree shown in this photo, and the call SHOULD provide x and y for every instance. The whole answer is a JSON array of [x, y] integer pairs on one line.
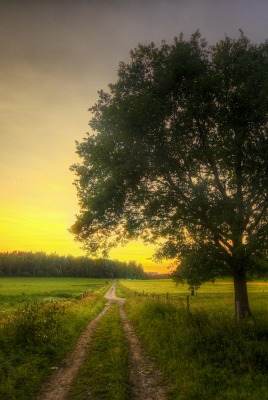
[[178, 155]]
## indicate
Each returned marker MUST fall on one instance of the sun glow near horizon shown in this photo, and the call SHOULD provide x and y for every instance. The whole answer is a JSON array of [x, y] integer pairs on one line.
[[38, 204], [28, 228]]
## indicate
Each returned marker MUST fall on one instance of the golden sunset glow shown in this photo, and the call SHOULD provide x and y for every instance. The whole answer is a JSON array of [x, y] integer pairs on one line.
[[54, 59]]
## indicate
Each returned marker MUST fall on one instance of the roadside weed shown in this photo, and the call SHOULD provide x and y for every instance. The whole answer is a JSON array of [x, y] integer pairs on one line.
[[204, 354]]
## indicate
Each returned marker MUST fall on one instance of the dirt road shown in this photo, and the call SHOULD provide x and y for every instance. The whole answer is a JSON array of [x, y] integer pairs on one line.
[[145, 379], [59, 384], [111, 296]]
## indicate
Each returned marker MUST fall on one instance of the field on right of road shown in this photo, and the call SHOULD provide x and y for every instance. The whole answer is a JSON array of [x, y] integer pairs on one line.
[[202, 351], [219, 295], [163, 286]]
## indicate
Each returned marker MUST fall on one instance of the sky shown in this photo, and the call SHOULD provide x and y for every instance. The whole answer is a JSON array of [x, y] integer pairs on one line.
[[54, 57]]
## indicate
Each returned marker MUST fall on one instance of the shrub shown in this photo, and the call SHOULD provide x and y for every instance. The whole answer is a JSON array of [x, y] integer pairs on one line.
[[36, 324]]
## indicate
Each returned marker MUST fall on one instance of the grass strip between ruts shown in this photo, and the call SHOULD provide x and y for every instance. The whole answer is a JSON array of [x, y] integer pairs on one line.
[[105, 372]]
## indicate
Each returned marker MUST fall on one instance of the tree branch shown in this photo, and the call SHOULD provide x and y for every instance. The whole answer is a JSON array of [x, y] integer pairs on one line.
[[259, 217], [211, 162], [177, 189]]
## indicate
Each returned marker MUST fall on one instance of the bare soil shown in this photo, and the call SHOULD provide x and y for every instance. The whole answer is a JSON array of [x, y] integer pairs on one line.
[[146, 379]]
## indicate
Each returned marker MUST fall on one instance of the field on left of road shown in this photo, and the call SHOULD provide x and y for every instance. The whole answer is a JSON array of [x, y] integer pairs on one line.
[[17, 291], [40, 322]]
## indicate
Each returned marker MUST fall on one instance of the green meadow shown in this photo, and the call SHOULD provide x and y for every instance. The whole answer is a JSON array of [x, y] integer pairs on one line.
[[218, 295], [163, 286], [15, 292], [204, 354]]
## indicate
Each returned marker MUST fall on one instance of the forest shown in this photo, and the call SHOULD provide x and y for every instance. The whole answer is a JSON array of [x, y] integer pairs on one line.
[[40, 264]]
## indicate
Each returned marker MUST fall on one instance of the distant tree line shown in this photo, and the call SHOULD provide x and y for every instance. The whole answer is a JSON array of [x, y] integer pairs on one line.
[[20, 263]]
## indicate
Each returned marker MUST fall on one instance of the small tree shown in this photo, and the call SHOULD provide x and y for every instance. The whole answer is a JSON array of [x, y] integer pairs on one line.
[[180, 153]]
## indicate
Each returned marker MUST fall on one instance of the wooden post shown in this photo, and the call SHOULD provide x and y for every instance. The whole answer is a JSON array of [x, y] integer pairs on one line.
[[167, 295], [188, 304]]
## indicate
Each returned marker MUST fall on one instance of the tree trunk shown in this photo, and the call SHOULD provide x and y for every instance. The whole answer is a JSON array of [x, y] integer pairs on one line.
[[241, 293]]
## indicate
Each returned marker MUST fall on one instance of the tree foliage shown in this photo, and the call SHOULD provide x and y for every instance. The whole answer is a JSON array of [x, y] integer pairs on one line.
[[179, 152]]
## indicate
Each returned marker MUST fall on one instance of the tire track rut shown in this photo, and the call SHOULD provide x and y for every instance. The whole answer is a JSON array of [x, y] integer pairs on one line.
[[60, 382]]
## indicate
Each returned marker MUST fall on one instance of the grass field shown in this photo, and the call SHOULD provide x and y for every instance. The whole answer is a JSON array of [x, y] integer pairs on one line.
[[42, 319], [162, 286], [219, 294], [203, 354], [17, 292]]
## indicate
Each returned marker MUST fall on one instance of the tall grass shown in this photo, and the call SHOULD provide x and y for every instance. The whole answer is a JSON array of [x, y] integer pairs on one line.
[[204, 354], [36, 338]]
